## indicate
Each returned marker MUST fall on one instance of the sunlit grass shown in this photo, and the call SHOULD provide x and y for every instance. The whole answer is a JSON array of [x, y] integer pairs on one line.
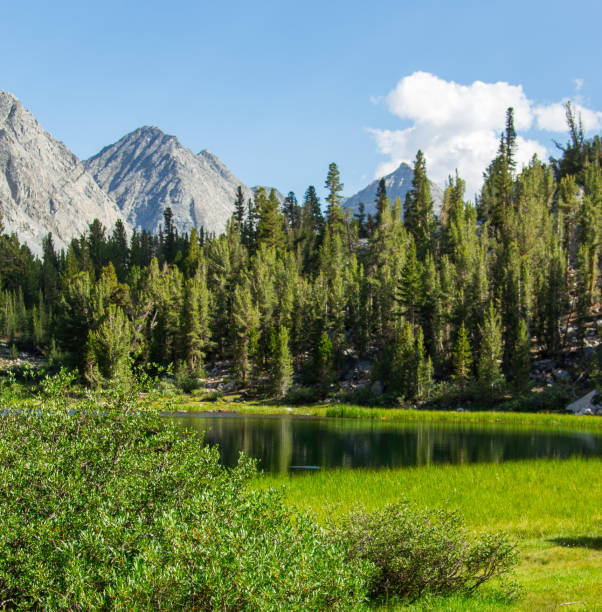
[[528, 498], [552, 507]]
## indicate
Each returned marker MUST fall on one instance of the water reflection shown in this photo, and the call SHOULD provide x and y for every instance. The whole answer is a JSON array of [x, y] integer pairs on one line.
[[279, 442]]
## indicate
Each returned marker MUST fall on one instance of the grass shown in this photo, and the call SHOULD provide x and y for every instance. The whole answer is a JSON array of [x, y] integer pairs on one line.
[[552, 507], [187, 403]]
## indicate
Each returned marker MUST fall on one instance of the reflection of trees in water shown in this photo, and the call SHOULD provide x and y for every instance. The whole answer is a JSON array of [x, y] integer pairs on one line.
[[279, 442]]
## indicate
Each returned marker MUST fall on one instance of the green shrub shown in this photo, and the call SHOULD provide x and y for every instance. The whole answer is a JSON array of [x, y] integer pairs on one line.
[[302, 395], [104, 505], [185, 380], [212, 396], [419, 552]]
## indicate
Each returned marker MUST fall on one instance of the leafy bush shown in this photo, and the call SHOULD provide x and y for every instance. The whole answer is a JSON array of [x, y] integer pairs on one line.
[[419, 552], [302, 395], [185, 380], [103, 505], [212, 396]]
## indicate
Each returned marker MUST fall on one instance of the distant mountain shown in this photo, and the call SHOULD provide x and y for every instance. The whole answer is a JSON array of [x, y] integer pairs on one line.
[[43, 186], [398, 183], [147, 171]]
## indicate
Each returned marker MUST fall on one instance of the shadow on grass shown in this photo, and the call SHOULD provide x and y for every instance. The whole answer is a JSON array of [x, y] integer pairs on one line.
[[595, 543]]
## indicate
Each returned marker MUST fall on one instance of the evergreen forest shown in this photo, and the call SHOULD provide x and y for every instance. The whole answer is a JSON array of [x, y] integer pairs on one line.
[[294, 294]]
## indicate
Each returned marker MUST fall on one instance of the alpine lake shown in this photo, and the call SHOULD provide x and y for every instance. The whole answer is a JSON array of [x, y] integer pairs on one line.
[[292, 444]]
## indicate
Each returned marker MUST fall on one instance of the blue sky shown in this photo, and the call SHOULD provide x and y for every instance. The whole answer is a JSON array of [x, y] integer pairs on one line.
[[278, 90]]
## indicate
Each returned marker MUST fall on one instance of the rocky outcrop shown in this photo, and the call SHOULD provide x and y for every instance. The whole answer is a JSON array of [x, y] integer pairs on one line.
[[398, 183], [43, 185], [147, 171]]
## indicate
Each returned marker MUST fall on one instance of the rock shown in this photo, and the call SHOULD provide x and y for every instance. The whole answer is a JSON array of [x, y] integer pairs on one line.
[[561, 375], [546, 365], [43, 185], [583, 404], [377, 387], [147, 171]]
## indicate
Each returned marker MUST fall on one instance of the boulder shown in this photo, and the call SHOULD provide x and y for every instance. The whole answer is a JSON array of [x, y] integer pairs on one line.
[[559, 374], [584, 405]]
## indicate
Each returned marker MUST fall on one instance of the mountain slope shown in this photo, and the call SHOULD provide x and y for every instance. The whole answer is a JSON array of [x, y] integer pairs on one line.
[[147, 171], [398, 184], [43, 186]]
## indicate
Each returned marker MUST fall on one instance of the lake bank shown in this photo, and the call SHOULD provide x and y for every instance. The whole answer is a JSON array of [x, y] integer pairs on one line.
[[189, 404]]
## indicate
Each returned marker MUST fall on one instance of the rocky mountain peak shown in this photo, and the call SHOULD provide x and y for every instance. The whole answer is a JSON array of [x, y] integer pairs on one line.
[[398, 183], [43, 185], [147, 171]]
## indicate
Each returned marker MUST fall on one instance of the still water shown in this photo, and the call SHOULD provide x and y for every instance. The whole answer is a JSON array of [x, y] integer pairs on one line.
[[285, 443]]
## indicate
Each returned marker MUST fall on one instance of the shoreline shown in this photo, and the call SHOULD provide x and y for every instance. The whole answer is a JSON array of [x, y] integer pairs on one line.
[[185, 405]]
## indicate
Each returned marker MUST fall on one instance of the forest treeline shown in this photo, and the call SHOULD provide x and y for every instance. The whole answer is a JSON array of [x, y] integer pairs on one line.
[[468, 296]]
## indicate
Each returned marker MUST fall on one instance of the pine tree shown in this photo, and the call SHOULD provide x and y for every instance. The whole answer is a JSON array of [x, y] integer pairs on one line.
[[245, 324], [334, 213], [497, 194], [96, 246], [462, 356], [282, 373], [552, 299], [50, 271], [323, 362], [582, 293], [291, 211], [108, 347], [194, 323], [423, 368], [402, 367], [418, 213], [521, 362], [312, 210], [194, 256], [239, 209], [382, 201], [168, 251], [269, 225], [250, 225], [491, 350], [360, 217], [119, 252], [409, 289]]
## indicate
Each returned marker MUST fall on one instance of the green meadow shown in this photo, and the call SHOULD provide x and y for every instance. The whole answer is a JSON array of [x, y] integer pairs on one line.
[[552, 508]]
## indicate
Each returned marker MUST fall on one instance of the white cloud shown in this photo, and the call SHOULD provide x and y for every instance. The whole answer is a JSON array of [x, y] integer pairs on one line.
[[553, 117], [459, 126]]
